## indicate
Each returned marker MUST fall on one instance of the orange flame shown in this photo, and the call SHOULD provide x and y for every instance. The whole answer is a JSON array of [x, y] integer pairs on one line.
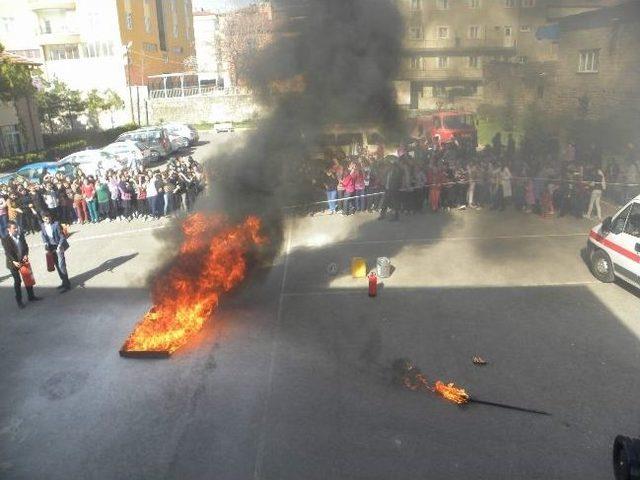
[[452, 393], [212, 260]]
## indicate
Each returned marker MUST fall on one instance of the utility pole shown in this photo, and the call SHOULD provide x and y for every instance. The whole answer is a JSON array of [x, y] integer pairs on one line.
[[128, 47]]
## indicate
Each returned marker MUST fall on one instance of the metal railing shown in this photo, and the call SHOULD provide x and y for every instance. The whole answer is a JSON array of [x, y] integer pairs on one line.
[[195, 91]]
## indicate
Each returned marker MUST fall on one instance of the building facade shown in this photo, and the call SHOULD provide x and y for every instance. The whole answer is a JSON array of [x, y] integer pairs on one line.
[[106, 44], [211, 66], [20, 129], [598, 65]]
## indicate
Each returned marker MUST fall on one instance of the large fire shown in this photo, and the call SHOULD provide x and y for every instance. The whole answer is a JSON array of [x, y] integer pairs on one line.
[[212, 260]]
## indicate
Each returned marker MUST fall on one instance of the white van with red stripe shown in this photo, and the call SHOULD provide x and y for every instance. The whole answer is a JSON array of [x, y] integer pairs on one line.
[[614, 246]]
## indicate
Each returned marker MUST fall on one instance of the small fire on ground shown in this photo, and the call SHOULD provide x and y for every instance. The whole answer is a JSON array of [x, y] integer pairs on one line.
[[413, 379], [212, 260]]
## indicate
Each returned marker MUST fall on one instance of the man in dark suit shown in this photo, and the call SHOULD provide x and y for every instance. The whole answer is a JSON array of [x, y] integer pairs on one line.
[[17, 251], [56, 243]]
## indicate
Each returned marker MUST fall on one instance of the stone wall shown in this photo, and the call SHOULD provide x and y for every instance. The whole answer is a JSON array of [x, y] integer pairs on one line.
[[198, 109]]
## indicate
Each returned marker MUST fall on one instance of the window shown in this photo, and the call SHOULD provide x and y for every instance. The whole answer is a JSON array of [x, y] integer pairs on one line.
[[415, 33], [97, 49], [588, 61], [187, 16], [473, 62], [442, 4], [129, 21], [6, 24], [474, 31], [416, 4], [177, 50], [474, 3], [510, 3], [528, 3], [443, 62], [521, 59], [633, 221], [443, 32], [12, 140], [175, 29], [46, 27], [149, 47], [416, 63], [618, 224], [525, 28], [438, 91], [147, 24], [62, 52]]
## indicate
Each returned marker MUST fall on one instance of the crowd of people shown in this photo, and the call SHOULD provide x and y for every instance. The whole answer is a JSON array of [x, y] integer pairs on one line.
[[123, 195], [425, 177]]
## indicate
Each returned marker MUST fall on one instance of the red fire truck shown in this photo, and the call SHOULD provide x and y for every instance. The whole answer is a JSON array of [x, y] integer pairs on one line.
[[443, 127]]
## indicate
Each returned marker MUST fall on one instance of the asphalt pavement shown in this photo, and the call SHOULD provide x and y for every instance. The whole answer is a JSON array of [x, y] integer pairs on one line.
[[291, 378]]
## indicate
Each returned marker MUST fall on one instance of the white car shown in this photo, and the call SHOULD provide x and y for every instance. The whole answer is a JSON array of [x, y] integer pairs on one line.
[[92, 162], [129, 153], [178, 142], [223, 127], [614, 246], [182, 130]]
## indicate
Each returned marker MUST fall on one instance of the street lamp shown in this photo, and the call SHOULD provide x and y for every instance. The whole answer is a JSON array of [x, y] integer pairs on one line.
[[128, 54]]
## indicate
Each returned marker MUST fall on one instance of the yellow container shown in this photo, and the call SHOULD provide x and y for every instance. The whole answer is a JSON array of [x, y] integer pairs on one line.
[[358, 267]]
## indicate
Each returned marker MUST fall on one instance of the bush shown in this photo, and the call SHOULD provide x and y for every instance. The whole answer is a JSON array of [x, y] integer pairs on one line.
[[51, 154], [93, 138], [64, 149]]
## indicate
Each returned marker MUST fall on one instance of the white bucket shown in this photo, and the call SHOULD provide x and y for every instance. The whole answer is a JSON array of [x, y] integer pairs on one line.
[[383, 267]]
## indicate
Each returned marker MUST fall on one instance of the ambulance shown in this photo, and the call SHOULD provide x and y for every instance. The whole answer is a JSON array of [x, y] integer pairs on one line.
[[614, 246]]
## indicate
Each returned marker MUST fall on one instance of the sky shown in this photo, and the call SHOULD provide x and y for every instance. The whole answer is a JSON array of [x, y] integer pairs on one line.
[[220, 4]]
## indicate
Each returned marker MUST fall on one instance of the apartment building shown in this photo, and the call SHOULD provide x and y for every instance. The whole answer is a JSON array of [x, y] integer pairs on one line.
[[101, 44], [598, 66], [450, 45]]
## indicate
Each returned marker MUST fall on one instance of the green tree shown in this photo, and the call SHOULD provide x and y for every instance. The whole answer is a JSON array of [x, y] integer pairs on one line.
[[15, 79], [60, 105], [98, 102]]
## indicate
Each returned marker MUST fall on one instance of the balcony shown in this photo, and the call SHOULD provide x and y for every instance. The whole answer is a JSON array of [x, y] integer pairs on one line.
[[442, 75], [59, 38], [37, 5], [489, 45]]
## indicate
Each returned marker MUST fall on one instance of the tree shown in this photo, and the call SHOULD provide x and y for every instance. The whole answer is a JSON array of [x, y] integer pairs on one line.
[[243, 34], [60, 105], [15, 79], [99, 102]]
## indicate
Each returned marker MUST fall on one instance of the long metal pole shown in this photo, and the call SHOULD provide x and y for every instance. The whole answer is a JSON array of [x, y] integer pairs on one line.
[[509, 407], [133, 117]]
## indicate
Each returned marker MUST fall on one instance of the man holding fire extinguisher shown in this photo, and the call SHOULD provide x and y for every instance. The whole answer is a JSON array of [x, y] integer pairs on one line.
[[55, 243], [17, 253]]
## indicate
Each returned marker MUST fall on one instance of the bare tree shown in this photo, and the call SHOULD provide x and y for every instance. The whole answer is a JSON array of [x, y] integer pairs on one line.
[[242, 34]]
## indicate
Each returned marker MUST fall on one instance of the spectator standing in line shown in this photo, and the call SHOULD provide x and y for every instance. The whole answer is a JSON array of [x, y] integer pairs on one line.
[[56, 244], [104, 197], [169, 188], [159, 183], [66, 203], [330, 186], [126, 196], [115, 196], [80, 206], [89, 193], [17, 251], [152, 193], [358, 183], [348, 182], [505, 184], [50, 197], [598, 185], [141, 196], [392, 185], [4, 218]]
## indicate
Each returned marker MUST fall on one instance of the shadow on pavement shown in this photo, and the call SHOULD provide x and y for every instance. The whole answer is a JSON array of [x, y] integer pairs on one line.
[[106, 266]]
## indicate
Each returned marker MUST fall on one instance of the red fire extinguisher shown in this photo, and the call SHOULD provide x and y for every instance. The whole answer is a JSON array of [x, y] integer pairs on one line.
[[27, 274], [373, 284]]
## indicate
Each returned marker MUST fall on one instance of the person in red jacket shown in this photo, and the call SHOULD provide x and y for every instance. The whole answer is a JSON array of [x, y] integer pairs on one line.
[[349, 184]]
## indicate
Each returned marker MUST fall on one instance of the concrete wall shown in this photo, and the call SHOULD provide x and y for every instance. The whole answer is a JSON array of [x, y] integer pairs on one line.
[[196, 109]]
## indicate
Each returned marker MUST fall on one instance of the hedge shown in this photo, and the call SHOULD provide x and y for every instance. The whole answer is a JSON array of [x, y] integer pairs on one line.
[[49, 155], [93, 138]]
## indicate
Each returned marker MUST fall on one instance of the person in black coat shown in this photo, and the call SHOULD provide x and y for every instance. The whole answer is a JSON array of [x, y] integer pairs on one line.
[[17, 251], [392, 186]]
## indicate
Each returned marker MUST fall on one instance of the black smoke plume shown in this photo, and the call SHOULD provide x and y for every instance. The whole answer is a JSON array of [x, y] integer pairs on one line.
[[347, 53]]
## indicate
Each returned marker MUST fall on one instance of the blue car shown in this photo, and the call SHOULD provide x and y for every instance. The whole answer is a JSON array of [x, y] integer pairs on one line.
[[35, 171], [5, 178]]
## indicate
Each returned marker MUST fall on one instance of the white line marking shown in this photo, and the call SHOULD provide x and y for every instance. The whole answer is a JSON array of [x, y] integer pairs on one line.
[[460, 239], [257, 471], [362, 291]]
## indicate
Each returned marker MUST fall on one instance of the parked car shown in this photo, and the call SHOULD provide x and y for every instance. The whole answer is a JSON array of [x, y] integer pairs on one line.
[[34, 172], [5, 178], [187, 131], [157, 138], [223, 127], [129, 152], [178, 142], [613, 247], [91, 162]]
